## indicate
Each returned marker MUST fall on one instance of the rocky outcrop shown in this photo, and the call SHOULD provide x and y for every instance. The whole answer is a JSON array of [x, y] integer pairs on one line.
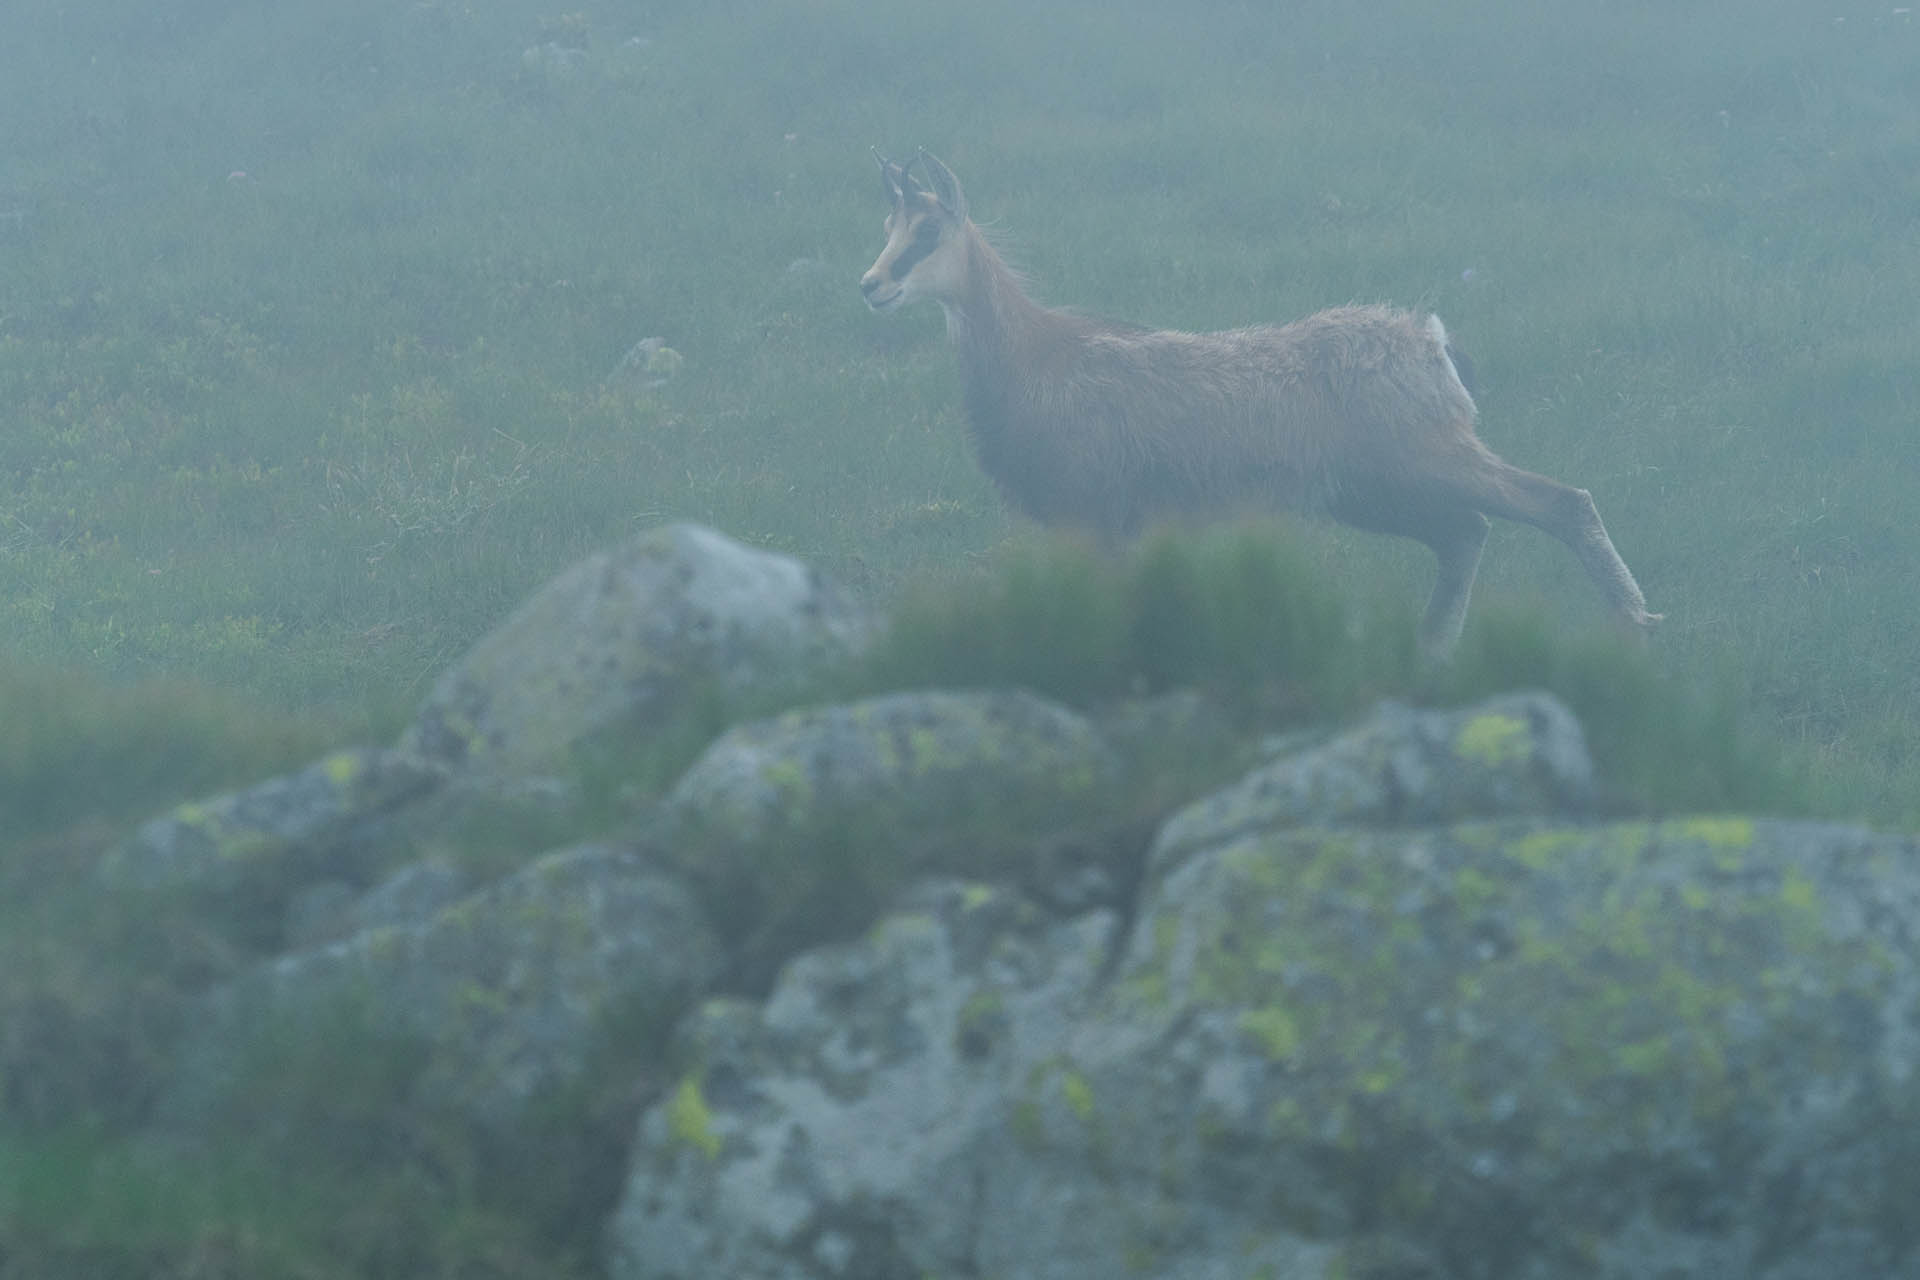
[[849, 1125], [804, 825], [330, 810], [1498, 1048], [1521, 753], [627, 638], [503, 995], [624, 638], [245, 855], [946, 983]]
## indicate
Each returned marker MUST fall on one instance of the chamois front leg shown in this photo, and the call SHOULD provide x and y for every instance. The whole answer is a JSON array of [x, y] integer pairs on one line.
[[1455, 532], [1457, 540]]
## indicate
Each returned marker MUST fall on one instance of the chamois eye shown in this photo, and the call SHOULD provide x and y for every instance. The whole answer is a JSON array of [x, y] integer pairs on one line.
[[926, 238]]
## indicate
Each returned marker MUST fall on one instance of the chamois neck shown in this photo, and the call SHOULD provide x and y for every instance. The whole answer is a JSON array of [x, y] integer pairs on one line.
[[993, 307], [997, 332]]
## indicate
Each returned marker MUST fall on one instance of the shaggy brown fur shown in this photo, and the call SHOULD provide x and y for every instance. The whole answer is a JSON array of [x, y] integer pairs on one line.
[[1357, 412]]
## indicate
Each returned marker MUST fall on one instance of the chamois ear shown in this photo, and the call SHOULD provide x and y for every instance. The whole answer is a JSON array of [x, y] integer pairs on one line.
[[946, 187]]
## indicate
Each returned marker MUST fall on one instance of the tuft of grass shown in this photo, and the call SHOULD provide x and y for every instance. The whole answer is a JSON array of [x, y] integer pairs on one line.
[[77, 1203], [1241, 611], [75, 748], [1245, 614], [333, 1158], [1047, 617], [1660, 744]]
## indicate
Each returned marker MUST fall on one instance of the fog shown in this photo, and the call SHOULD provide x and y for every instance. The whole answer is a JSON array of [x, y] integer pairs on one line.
[[331, 330]]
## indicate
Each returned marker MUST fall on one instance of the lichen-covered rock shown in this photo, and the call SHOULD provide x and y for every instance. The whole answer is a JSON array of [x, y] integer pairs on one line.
[[1530, 1050], [845, 1127], [1503, 1048], [925, 758], [1514, 754], [622, 638], [503, 993], [832, 808], [249, 851], [334, 804], [332, 909]]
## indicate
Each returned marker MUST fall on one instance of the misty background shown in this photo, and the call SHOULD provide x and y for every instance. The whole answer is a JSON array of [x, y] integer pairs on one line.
[[307, 312]]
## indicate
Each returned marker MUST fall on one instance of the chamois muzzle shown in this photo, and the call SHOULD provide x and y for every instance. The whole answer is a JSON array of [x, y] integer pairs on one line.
[[878, 295]]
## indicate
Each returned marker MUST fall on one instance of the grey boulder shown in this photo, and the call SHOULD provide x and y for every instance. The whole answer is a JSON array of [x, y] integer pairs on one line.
[[501, 995], [624, 637], [801, 825]]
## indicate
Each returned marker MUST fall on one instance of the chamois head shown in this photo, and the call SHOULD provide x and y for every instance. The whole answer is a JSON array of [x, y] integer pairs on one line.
[[925, 253]]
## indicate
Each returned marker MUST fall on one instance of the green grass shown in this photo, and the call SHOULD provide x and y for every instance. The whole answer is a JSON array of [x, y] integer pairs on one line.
[[1242, 613], [73, 747], [304, 434], [73, 1204]]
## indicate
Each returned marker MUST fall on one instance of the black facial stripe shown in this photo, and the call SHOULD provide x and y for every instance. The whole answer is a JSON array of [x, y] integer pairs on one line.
[[926, 238]]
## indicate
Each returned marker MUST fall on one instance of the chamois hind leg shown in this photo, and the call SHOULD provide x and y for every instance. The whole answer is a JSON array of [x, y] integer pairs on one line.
[[1501, 489]]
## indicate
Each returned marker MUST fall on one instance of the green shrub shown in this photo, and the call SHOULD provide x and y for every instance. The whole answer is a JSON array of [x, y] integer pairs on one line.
[[1239, 610]]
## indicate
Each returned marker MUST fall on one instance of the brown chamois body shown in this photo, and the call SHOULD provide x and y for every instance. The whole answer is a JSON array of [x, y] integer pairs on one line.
[[1358, 413]]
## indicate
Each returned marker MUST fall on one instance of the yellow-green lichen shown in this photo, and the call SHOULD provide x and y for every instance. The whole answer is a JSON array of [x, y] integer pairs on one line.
[[1474, 889], [981, 1005], [465, 730], [975, 896], [1078, 1094], [1494, 740], [1719, 833], [664, 362], [478, 998], [1539, 850], [904, 929], [192, 814], [1797, 893], [690, 1120], [789, 781], [1635, 980], [1277, 1030], [343, 768], [925, 747], [244, 844], [1378, 1080]]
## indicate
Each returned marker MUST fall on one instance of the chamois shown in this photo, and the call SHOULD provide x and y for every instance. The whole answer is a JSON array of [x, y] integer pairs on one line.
[[1358, 412]]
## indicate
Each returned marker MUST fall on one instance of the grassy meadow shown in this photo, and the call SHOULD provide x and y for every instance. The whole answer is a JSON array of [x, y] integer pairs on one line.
[[307, 313]]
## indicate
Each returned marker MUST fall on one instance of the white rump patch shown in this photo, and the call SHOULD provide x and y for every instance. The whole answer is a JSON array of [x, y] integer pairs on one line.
[[1438, 332]]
